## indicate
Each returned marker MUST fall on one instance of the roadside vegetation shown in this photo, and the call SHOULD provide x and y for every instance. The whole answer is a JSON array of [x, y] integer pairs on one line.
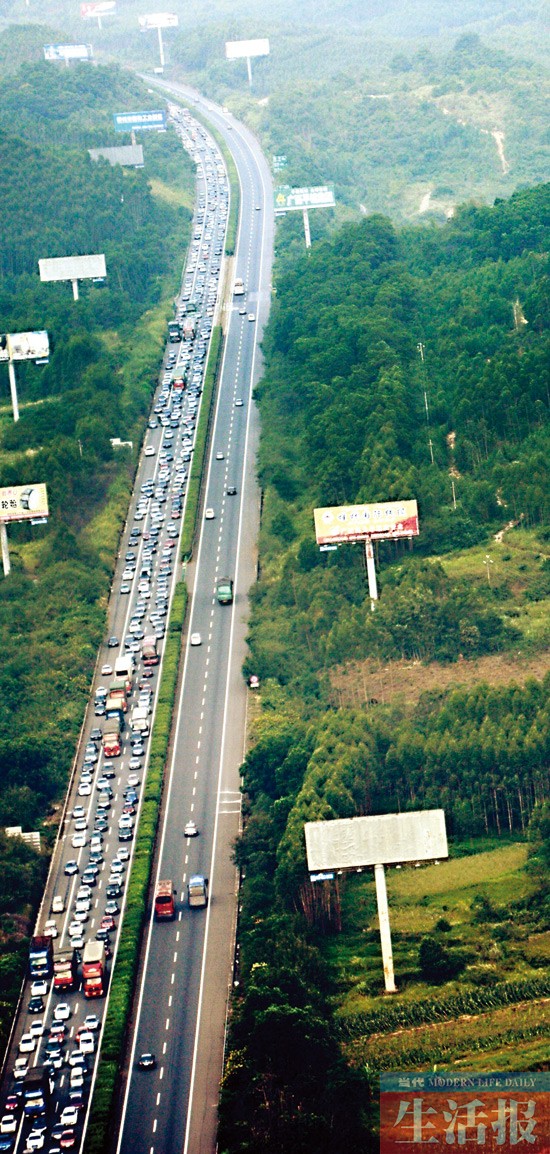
[[353, 410], [97, 386]]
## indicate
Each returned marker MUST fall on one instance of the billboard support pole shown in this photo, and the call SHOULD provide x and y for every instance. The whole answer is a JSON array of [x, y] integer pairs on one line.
[[385, 933], [5, 548], [161, 47], [249, 70], [13, 390], [371, 571], [307, 229], [74, 283]]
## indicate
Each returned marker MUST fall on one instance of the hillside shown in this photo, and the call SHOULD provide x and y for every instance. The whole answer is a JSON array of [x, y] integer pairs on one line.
[[406, 363], [103, 368]]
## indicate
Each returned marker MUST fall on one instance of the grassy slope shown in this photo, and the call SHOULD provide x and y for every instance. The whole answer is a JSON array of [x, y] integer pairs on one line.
[[501, 950]]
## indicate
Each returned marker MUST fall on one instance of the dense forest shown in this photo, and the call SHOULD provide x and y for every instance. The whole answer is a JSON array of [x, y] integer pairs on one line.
[[55, 201], [406, 363]]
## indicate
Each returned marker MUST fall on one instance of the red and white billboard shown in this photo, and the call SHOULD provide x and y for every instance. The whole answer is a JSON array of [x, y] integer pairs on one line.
[[342, 523], [94, 11], [23, 502]]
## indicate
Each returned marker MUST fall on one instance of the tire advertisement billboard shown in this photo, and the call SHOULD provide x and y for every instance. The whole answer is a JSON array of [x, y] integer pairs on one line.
[[23, 502], [342, 523]]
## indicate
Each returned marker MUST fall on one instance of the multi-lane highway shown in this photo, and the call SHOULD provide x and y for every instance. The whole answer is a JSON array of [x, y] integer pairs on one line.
[[188, 963], [188, 966]]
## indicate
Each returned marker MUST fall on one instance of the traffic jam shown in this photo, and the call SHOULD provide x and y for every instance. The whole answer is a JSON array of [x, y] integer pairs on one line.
[[57, 1035]]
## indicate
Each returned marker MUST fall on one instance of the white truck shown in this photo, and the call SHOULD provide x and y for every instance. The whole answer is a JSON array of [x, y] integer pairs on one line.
[[140, 719]]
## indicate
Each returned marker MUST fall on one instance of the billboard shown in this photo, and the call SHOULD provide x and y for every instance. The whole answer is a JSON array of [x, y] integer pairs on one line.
[[140, 121], [23, 502], [343, 523], [68, 52], [94, 11], [355, 842], [31, 346], [236, 49], [287, 199], [158, 20], [72, 267]]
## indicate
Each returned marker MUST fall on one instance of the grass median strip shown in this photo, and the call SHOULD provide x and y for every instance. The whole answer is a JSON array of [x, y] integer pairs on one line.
[[201, 441]]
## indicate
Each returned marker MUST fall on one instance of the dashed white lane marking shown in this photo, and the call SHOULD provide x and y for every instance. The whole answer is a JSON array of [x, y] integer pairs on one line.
[[167, 1027]]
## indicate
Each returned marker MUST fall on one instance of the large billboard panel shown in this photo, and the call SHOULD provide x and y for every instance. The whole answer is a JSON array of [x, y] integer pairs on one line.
[[355, 842], [72, 267], [23, 502], [342, 523], [140, 121], [158, 20], [68, 52], [95, 11], [237, 49], [288, 199], [31, 346]]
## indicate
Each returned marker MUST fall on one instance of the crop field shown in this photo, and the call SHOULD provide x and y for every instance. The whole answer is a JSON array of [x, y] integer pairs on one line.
[[466, 904]]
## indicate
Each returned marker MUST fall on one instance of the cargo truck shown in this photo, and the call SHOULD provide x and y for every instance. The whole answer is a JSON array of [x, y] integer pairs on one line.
[[149, 650], [124, 666], [121, 684], [140, 720], [93, 969], [165, 907], [36, 1092], [40, 956], [197, 891], [174, 332], [116, 706], [65, 970], [111, 738], [189, 328], [224, 590]]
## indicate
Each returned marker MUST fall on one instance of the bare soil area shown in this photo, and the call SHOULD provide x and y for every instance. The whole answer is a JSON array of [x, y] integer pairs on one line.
[[370, 683]]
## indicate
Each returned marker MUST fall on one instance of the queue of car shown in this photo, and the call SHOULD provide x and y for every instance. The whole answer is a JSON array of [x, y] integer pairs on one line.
[[58, 1037]]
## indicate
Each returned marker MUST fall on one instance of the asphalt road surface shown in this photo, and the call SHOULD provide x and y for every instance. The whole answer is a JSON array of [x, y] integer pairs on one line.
[[189, 962]]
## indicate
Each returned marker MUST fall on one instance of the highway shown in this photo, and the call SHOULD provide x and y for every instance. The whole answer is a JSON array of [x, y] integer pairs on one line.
[[188, 966], [189, 962]]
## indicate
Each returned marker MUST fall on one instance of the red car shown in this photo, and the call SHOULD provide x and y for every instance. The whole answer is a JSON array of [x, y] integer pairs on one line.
[[108, 923], [67, 1139]]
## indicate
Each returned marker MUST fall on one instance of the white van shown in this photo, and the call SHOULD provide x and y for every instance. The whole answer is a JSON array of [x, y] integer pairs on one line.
[[58, 904]]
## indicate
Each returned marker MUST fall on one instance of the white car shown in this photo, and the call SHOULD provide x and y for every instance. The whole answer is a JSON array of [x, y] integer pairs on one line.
[[219, 455], [36, 1140], [69, 1116], [62, 1012], [106, 670], [252, 316], [196, 639], [209, 514], [39, 988], [239, 403], [50, 929], [133, 779], [27, 1044], [150, 451], [190, 830], [84, 790], [78, 840], [9, 1124], [75, 930], [37, 1028]]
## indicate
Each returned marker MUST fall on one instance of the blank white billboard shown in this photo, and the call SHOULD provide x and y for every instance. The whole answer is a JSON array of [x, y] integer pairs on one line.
[[29, 346], [72, 267], [68, 52], [236, 49], [355, 842], [158, 20]]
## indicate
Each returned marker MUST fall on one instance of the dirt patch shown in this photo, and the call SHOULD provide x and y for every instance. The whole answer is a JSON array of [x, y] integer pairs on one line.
[[370, 683]]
